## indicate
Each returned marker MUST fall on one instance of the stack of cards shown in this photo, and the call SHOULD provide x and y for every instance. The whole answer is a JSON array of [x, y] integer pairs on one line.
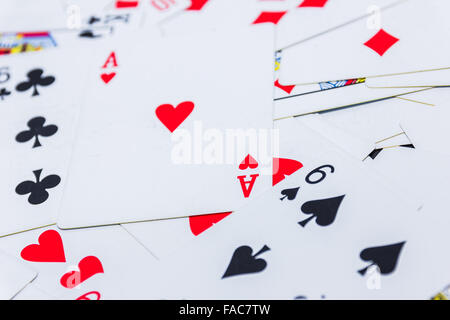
[[224, 149]]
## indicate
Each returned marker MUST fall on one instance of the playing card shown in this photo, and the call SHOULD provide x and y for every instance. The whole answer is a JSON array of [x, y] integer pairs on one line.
[[398, 45], [31, 292], [14, 276], [148, 130], [40, 93], [86, 264], [312, 213], [311, 18], [416, 79]]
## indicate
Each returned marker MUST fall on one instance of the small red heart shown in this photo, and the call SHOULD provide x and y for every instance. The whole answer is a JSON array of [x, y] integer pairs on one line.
[[172, 117], [107, 77], [49, 249], [201, 223], [88, 267], [284, 167], [248, 162]]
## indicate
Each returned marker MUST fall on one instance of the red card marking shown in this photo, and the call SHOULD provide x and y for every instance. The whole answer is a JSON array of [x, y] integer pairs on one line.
[[49, 249]]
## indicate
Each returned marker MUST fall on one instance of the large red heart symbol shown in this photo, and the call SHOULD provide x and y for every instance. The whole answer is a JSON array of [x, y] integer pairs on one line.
[[284, 167], [201, 223], [172, 117], [107, 77], [88, 267], [49, 249], [248, 162]]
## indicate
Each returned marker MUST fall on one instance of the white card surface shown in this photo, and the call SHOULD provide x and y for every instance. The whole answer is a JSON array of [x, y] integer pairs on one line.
[[411, 80], [279, 258], [310, 19], [221, 15], [330, 99], [399, 45], [121, 137], [427, 129]]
